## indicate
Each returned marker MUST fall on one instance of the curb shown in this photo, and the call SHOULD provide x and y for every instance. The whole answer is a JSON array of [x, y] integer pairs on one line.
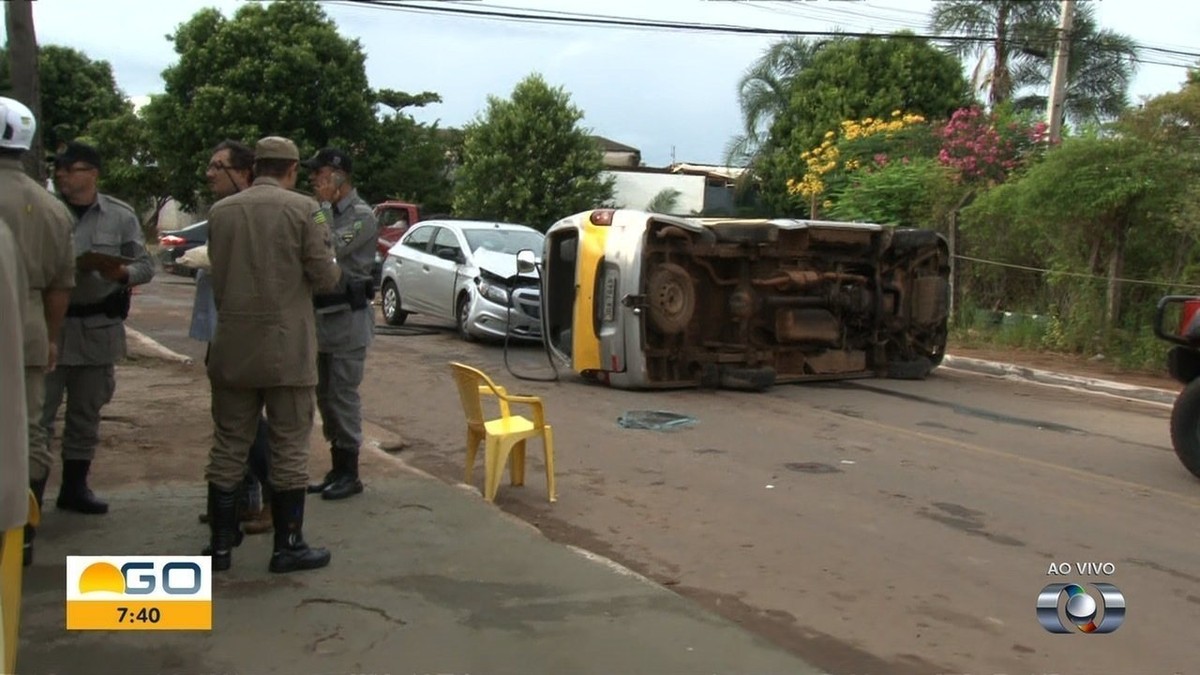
[[1054, 379]]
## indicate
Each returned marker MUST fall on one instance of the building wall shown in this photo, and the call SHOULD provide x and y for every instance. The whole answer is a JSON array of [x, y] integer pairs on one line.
[[635, 190]]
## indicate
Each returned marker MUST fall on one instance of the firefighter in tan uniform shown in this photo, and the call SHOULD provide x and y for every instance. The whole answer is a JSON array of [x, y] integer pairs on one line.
[[14, 446], [42, 227], [270, 251]]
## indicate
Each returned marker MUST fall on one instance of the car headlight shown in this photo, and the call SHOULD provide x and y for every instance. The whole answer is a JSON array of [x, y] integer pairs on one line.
[[493, 292]]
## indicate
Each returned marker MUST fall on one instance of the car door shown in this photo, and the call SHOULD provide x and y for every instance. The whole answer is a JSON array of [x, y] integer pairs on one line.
[[446, 260], [412, 262]]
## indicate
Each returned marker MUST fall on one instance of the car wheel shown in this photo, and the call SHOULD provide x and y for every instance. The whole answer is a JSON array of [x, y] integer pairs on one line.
[[390, 303], [462, 316]]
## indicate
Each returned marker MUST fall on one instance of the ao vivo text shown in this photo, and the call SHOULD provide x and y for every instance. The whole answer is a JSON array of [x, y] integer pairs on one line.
[[1094, 569]]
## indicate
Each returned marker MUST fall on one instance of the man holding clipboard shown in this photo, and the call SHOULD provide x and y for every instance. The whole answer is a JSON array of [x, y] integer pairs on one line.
[[111, 260]]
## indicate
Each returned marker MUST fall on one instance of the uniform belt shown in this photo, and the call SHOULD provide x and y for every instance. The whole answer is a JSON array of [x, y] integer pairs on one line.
[[87, 310], [115, 306]]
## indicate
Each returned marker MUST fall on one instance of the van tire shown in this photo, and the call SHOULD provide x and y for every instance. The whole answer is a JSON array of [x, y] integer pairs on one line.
[[1185, 427]]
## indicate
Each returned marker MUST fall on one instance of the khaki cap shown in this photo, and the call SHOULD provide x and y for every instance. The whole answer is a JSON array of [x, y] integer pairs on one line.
[[276, 147]]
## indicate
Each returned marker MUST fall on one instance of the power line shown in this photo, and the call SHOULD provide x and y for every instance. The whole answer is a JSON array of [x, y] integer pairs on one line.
[[527, 15], [1081, 275]]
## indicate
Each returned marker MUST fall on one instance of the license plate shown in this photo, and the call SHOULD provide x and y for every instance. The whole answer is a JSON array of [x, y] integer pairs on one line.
[[610, 296]]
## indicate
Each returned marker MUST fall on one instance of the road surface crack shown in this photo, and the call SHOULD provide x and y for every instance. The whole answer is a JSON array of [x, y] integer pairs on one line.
[[355, 605]]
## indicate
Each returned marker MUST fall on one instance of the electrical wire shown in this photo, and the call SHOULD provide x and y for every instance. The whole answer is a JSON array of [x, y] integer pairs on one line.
[[528, 15], [542, 330], [1083, 275]]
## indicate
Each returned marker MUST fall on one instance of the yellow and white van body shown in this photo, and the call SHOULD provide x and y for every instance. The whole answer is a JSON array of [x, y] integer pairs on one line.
[[640, 300]]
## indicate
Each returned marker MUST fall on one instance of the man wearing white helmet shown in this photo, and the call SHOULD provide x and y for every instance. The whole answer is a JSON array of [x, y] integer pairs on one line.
[[42, 226]]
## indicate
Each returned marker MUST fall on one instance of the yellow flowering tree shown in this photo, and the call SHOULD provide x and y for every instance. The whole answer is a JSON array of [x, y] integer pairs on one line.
[[860, 145]]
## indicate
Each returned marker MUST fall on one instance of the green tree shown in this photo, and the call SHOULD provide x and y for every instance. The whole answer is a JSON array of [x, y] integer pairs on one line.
[[273, 69], [763, 93], [75, 91], [664, 201], [1100, 68], [405, 160], [130, 171], [1092, 201], [853, 79], [1016, 48], [527, 160], [1011, 33]]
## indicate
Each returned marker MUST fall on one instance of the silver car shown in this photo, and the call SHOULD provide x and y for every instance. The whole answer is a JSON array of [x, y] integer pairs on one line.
[[464, 272]]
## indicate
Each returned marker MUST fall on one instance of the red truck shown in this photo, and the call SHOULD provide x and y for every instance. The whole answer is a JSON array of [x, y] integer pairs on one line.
[[394, 219]]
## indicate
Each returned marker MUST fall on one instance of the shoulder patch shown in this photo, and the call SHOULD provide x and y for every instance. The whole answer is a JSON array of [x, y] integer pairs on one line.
[[347, 237], [319, 218]]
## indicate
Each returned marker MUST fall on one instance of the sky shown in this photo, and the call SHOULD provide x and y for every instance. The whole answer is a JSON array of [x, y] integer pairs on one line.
[[673, 95]]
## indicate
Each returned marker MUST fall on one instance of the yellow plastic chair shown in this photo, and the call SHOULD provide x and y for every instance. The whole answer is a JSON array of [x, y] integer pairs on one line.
[[504, 435], [11, 561]]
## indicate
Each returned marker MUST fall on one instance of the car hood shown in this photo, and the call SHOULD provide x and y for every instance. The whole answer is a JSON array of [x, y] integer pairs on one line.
[[503, 265]]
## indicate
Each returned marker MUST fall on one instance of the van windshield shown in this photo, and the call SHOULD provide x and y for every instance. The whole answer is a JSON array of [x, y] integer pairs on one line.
[[504, 241]]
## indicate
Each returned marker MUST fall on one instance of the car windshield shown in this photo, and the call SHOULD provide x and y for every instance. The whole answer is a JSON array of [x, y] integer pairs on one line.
[[504, 241]]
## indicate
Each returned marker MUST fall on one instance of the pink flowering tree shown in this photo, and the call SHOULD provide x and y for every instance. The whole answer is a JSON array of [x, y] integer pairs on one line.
[[986, 148]]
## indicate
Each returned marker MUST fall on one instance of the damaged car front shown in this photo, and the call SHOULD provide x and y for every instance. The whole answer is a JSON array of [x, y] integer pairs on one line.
[[502, 299]]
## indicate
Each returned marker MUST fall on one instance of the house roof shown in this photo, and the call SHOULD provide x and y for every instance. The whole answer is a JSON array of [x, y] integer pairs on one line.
[[613, 146], [711, 170]]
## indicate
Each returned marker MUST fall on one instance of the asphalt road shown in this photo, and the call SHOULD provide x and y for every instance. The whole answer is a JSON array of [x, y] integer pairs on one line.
[[870, 526]]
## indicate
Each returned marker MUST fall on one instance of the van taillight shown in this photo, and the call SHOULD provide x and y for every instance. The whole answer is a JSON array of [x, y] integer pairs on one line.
[[601, 217]]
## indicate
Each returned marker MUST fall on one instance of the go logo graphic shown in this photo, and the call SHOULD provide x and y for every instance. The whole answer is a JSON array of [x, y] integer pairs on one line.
[[139, 593], [1070, 608]]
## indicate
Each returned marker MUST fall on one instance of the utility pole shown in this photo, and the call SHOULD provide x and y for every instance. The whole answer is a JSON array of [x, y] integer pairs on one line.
[[1058, 77], [23, 71]]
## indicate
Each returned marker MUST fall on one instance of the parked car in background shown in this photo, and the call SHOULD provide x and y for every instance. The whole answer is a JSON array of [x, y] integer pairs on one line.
[[393, 218], [173, 244], [465, 273]]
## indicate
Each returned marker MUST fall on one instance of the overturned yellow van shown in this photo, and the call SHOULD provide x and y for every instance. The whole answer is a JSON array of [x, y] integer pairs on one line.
[[642, 300]]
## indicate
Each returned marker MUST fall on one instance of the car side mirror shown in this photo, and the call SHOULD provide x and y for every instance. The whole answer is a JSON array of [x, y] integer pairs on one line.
[[526, 261]]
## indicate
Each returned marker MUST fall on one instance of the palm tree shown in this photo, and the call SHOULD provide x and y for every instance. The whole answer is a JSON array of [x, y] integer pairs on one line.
[[1100, 67], [763, 92], [1015, 34]]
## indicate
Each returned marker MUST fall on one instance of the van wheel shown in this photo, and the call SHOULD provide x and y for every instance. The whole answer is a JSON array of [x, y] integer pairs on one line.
[[390, 305], [462, 315], [672, 298], [1185, 427]]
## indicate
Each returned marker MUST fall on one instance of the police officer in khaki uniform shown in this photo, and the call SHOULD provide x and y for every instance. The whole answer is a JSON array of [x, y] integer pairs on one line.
[[93, 334], [345, 321], [42, 227], [270, 253]]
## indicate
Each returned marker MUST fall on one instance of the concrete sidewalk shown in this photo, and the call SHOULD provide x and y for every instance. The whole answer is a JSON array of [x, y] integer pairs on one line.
[[425, 578], [1164, 397]]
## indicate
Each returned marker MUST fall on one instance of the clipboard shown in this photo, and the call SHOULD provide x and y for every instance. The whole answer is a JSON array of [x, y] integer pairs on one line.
[[94, 260]]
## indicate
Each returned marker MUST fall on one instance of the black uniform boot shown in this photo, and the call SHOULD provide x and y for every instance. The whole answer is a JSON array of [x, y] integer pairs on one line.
[[339, 460], [346, 483], [223, 527], [39, 489], [75, 495], [291, 553]]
